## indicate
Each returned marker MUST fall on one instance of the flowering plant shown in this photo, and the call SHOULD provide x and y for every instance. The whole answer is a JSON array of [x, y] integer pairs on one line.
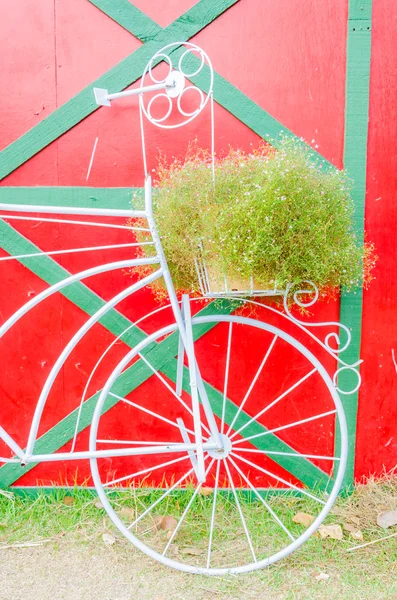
[[275, 215]]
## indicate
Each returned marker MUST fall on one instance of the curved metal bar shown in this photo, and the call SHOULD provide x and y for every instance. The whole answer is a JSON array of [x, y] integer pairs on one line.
[[67, 281], [71, 345], [73, 222], [73, 210], [304, 327], [302, 304]]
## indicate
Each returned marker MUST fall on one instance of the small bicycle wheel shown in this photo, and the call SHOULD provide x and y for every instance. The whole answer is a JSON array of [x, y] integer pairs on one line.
[[278, 413]]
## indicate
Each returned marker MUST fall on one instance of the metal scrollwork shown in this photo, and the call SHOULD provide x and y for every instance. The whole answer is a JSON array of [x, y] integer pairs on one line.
[[311, 290]]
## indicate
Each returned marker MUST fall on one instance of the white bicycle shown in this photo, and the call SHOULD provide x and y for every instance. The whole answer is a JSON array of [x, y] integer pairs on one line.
[[204, 428]]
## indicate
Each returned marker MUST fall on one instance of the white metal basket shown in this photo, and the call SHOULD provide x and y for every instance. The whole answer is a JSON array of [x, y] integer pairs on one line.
[[220, 285]]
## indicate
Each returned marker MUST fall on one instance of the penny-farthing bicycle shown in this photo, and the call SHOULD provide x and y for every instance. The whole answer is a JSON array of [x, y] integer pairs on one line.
[[221, 416]]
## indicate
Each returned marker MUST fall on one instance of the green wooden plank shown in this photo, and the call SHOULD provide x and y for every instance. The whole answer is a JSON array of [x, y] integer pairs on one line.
[[130, 17], [243, 108], [116, 79], [355, 162], [81, 197]]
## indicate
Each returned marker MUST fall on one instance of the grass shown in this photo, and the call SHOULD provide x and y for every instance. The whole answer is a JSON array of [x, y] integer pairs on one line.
[[370, 572]]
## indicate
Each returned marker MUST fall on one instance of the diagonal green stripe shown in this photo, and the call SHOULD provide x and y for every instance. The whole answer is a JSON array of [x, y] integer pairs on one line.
[[130, 17], [119, 77], [161, 357]]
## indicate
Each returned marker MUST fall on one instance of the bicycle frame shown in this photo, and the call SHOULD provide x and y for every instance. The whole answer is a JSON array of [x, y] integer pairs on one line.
[[182, 318]]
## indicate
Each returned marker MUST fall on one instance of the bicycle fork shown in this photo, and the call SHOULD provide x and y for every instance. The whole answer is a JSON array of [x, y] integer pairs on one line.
[[198, 391]]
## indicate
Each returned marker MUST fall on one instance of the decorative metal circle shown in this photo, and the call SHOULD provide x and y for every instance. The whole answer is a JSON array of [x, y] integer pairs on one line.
[[190, 51], [194, 112], [135, 529], [150, 66], [149, 108], [179, 71]]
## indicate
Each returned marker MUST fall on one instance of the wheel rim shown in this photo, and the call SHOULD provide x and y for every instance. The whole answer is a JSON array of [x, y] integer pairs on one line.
[[235, 468]]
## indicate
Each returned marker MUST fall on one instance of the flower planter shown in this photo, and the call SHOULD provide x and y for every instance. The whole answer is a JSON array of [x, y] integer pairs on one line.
[[214, 284]]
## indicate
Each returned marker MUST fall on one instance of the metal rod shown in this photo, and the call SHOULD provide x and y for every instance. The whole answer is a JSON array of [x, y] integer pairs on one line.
[[73, 222], [167, 493], [72, 250], [240, 512], [148, 411], [283, 427], [147, 470], [283, 395], [73, 210], [11, 442], [265, 504], [277, 478], [141, 90], [213, 514], [196, 491], [170, 448], [253, 382]]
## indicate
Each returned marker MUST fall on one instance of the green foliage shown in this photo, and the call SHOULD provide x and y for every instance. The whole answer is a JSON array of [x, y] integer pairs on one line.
[[273, 215]]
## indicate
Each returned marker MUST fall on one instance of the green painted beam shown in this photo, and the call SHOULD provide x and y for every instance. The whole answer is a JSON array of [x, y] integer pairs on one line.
[[81, 197], [355, 162], [130, 18], [162, 357], [116, 79]]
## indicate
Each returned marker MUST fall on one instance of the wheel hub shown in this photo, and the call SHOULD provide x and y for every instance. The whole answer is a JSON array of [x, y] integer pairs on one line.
[[222, 452]]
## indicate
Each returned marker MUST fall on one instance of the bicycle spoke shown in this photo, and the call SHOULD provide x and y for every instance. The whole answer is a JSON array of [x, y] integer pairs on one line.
[[277, 478], [229, 346], [213, 513], [149, 470], [267, 506], [240, 511], [283, 395], [70, 221], [167, 493], [293, 454], [149, 412], [173, 392], [196, 491], [253, 382], [282, 427]]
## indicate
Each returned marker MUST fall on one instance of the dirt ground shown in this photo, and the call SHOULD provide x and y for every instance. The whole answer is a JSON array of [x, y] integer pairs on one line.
[[73, 570]]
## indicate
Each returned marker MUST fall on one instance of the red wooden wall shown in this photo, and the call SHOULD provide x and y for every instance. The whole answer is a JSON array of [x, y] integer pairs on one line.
[[290, 58]]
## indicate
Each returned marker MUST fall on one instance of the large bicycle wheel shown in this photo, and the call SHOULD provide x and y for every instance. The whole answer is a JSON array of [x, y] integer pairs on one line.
[[278, 413]]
